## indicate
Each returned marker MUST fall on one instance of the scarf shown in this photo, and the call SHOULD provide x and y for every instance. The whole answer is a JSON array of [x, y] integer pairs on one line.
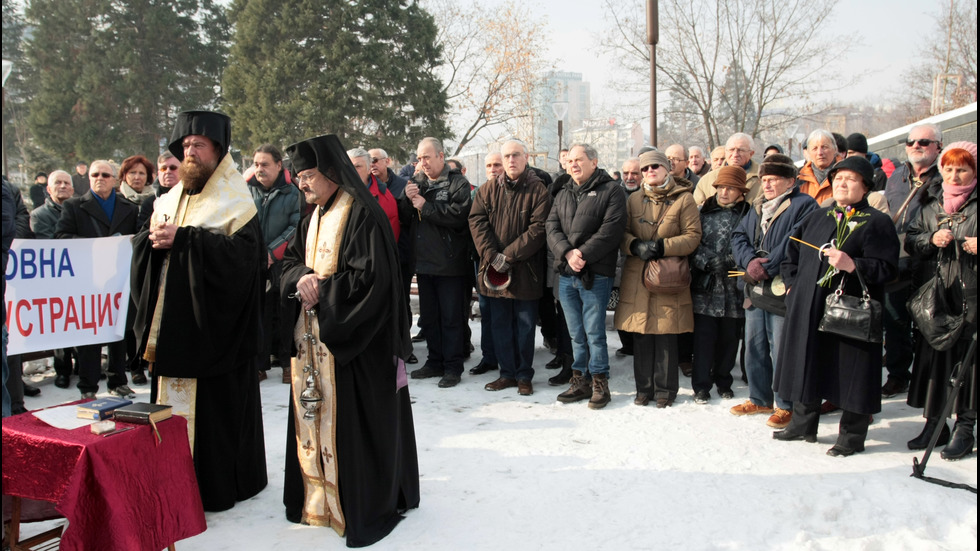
[[769, 209], [954, 197]]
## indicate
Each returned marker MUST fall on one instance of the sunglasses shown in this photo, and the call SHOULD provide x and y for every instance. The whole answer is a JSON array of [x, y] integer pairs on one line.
[[170, 168], [105, 175], [922, 142], [649, 168]]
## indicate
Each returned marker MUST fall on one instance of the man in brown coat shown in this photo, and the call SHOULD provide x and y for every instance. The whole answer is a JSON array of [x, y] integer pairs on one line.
[[507, 221]]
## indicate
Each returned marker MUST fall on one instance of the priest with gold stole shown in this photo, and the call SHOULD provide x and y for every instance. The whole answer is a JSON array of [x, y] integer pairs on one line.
[[197, 282], [351, 461]]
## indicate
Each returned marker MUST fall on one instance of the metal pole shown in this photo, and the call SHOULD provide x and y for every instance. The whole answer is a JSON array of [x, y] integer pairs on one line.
[[653, 36]]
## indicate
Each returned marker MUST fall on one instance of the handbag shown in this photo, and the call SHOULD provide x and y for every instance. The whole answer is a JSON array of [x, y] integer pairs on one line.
[[857, 318], [937, 313], [669, 275], [769, 295]]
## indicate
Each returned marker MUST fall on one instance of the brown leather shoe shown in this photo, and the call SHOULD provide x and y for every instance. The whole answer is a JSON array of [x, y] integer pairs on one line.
[[524, 387], [579, 389], [500, 384], [600, 391], [687, 368], [641, 399], [287, 375], [263, 376]]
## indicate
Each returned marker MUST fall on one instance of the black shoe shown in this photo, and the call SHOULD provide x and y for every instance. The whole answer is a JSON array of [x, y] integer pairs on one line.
[[62, 381], [551, 345], [726, 394], [449, 380], [17, 410], [31, 390], [702, 397], [961, 445], [139, 378], [894, 386], [687, 368], [842, 451], [921, 441], [623, 352], [482, 367], [123, 391], [418, 337], [412, 359], [427, 372], [555, 362], [564, 375], [787, 435]]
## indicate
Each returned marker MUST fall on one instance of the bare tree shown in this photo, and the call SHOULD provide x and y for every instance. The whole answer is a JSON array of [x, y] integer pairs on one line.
[[946, 75], [492, 65], [725, 65]]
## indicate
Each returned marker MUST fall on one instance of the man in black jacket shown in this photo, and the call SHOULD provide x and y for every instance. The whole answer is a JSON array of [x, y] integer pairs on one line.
[[437, 201], [101, 212], [584, 230]]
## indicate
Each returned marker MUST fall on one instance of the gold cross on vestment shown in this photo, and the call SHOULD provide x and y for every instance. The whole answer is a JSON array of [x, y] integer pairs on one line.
[[308, 448], [323, 250], [327, 456]]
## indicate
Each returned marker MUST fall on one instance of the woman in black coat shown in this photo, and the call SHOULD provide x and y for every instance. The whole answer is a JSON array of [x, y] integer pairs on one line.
[[813, 365], [947, 221]]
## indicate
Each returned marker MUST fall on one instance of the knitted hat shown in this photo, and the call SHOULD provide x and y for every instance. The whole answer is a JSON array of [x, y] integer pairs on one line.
[[654, 157], [968, 146], [776, 147], [857, 142], [777, 164], [731, 176]]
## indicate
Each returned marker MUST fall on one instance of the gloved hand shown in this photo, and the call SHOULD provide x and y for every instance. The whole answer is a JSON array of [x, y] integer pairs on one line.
[[720, 264], [647, 250], [749, 280], [756, 270], [500, 263]]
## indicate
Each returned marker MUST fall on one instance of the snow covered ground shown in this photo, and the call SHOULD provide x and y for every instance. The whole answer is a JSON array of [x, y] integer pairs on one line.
[[502, 471]]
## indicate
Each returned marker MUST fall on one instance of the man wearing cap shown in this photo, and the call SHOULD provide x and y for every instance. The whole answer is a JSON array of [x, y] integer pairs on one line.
[[351, 461], [759, 246], [507, 222], [912, 184], [857, 145], [584, 231], [197, 284], [739, 150]]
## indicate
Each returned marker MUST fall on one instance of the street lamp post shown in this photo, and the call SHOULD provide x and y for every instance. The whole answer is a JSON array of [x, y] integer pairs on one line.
[[560, 109]]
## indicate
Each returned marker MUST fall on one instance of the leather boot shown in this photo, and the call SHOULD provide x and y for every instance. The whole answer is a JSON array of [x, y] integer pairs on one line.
[[961, 444], [803, 424], [921, 441], [600, 391], [578, 390], [564, 375]]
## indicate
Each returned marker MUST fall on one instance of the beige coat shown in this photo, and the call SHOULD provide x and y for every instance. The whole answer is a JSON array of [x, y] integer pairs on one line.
[[640, 311], [706, 187]]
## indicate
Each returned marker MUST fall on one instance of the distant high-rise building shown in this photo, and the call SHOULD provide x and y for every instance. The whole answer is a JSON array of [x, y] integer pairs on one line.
[[559, 87]]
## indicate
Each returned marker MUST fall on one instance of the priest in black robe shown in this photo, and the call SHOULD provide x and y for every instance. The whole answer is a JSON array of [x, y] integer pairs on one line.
[[351, 460], [197, 284]]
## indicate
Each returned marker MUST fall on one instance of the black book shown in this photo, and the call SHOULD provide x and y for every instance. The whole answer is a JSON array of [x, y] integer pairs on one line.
[[142, 413]]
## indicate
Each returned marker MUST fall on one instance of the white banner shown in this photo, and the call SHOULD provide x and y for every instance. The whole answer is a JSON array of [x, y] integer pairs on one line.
[[67, 292]]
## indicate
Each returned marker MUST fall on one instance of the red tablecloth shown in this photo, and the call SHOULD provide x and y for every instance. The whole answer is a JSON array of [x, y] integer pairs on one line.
[[122, 492]]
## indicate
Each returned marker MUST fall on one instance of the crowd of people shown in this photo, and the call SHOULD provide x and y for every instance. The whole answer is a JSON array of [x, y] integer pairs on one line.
[[707, 263]]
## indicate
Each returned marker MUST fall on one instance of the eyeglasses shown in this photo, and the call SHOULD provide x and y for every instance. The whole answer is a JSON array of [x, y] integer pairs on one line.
[[739, 150], [306, 178], [676, 160], [649, 168], [105, 175], [375, 160], [169, 168], [922, 143]]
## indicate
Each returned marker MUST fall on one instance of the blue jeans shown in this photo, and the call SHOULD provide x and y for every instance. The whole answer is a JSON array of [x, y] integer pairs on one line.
[[762, 333], [585, 314], [513, 336]]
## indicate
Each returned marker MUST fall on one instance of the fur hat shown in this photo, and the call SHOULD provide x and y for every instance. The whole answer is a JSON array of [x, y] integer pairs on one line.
[[777, 164]]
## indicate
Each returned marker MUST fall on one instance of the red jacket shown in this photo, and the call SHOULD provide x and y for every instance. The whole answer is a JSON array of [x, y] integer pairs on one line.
[[387, 202]]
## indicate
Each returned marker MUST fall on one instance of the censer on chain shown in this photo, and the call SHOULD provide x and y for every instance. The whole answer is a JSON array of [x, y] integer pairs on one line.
[[311, 397]]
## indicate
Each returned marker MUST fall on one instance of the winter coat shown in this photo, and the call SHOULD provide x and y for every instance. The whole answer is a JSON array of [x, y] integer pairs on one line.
[[720, 297], [279, 213], [396, 184], [590, 218], [705, 187], [136, 196], [813, 365], [749, 243], [639, 310], [44, 219], [440, 229], [387, 203], [509, 218], [897, 189], [808, 184], [82, 217], [933, 369]]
